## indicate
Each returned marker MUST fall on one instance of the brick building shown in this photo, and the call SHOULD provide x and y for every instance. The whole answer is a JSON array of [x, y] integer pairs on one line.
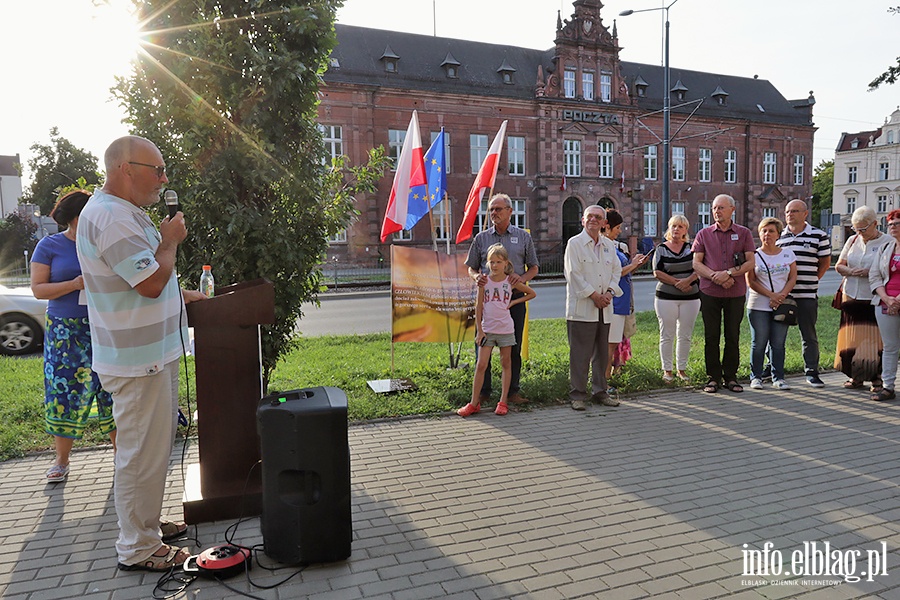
[[584, 128]]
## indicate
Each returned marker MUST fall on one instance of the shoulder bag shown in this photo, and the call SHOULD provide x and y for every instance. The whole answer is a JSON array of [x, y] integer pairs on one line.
[[787, 311]]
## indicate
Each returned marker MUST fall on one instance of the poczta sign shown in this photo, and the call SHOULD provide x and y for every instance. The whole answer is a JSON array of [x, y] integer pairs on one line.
[[584, 116]]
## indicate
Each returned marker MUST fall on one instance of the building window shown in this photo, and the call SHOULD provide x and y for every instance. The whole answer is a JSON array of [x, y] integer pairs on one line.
[[518, 214], [569, 83], [705, 173], [677, 208], [482, 217], [851, 174], [650, 219], [587, 85], [572, 158], [605, 159], [339, 238], [605, 86], [704, 214], [882, 203], [798, 169], [404, 235], [890, 137], [677, 164], [515, 152], [731, 166], [395, 144], [434, 135], [334, 145], [769, 167], [769, 211], [851, 204], [478, 147], [883, 171], [650, 163], [441, 216]]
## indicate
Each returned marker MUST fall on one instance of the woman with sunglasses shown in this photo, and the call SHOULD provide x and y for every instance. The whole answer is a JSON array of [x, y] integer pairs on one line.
[[884, 280], [859, 346]]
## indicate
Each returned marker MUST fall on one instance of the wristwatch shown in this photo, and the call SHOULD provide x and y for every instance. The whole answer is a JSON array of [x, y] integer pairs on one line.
[[729, 273]]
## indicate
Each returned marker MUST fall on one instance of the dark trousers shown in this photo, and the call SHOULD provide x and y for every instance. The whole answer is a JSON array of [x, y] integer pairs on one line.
[[517, 313], [714, 311], [588, 349]]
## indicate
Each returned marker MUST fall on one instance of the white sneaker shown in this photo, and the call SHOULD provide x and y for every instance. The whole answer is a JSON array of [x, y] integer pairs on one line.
[[756, 384], [780, 384]]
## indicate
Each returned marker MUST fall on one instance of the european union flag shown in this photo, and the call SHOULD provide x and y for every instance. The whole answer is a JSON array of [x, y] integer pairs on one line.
[[424, 196]]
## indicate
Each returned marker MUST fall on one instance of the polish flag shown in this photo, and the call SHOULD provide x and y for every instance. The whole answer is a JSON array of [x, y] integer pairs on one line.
[[562, 186], [487, 174], [622, 184], [410, 173]]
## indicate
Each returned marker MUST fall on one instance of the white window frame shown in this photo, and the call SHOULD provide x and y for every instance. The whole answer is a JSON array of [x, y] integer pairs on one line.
[[515, 154], [852, 174], [396, 138], [434, 135], [884, 171], [572, 158], [769, 211], [478, 149], [731, 166], [851, 204], [882, 203], [519, 216], [404, 235], [334, 143], [704, 166], [678, 160], [587, 85], [441, 215], [605, 160], [605, 86], [798, 169], [339, 238], [704, 214], [650, 163], [651, 218], [569, 83], [770, 167], [677, 207]]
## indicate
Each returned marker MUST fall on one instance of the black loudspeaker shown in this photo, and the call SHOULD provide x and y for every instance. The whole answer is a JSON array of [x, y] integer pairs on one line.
[[305, 475]]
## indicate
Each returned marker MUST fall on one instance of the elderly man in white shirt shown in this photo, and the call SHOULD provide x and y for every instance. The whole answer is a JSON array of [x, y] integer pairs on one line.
[[592, 272]]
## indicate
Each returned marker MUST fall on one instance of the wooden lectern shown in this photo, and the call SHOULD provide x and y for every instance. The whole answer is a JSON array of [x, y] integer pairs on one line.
[[229, 386]]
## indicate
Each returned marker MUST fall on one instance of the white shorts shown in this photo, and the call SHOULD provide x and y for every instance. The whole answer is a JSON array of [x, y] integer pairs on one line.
[[616, 327]]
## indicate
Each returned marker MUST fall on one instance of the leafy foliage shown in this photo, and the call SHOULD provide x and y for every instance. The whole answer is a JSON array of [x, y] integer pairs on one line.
[[16, 237], [893, 72], [229, 92], [56, 165], [822, 189]]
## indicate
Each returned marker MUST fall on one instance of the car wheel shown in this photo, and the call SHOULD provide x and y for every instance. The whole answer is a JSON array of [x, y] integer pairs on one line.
[[19, 334]]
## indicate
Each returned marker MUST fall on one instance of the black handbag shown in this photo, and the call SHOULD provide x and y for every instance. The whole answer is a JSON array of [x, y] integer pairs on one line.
[[787, 311]]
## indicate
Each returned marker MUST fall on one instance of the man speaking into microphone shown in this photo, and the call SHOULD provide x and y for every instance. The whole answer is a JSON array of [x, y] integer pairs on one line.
[[136, 311]]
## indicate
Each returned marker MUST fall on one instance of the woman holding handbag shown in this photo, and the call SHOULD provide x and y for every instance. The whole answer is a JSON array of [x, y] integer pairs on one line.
[[770, 283], [884, 279], [859, 345]]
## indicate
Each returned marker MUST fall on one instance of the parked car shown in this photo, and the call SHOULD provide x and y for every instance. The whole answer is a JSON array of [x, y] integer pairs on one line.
[[21, 321]]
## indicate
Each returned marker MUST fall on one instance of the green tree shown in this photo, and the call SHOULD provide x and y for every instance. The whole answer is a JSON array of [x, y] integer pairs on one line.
[[16, 238], [54, 166], [228, 91], [822, 189], [890, 76]]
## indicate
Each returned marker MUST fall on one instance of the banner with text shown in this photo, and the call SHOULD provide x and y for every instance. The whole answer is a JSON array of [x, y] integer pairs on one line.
[[432, 296]]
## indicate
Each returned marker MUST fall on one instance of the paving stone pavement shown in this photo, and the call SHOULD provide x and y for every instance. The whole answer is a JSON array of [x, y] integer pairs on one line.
[[654, 499]]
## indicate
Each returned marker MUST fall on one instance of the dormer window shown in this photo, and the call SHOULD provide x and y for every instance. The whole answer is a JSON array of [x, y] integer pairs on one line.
[[679, 90], [640, 87], [721, 96], [506, 72], [451, 66], [334, 63], [854, 144], [390, 60]]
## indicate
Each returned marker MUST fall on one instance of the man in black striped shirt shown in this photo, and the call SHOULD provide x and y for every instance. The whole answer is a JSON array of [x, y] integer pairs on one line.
[[812, 248]]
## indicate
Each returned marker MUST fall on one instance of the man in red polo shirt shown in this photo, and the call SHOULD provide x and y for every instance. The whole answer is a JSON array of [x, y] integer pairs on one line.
[[723, 253]]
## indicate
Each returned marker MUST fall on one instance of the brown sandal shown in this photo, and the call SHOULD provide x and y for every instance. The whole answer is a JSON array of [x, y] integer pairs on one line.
[[711, 387], [172, 530], [853, 384], [174, 557]]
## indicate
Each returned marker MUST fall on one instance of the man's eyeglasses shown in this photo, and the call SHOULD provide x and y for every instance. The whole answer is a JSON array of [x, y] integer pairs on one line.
[[793, 210], [595, 217], [498, 208], [160, 170], [862, 229]]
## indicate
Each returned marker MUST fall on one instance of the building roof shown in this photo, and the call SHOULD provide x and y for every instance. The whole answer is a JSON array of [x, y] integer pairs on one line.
[[360, 50], [862, 138], [8, 166]]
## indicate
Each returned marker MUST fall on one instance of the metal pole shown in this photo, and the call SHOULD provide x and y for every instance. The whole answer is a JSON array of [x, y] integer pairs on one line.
[[667, 108]]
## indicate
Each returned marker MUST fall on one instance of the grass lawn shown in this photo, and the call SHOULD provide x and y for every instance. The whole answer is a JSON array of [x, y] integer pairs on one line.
[[348, 362]]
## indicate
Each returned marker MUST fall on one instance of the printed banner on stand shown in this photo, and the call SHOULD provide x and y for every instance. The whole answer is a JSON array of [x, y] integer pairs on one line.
[[432, 296]]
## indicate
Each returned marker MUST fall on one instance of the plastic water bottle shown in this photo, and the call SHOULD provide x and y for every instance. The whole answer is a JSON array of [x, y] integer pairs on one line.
[[207, 282]]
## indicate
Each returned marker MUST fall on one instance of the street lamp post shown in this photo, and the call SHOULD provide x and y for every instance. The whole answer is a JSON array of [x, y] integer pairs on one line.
[[667, 108]]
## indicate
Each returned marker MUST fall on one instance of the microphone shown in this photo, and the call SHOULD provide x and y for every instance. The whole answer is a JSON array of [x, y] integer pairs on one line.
[[171, 199]]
